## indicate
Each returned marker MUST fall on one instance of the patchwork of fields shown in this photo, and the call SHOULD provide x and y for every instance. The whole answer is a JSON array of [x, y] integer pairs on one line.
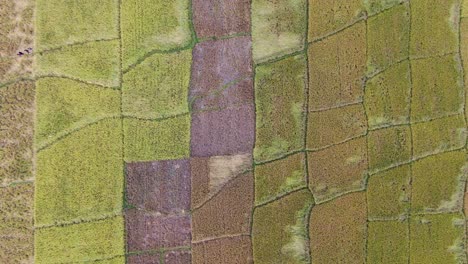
[[233, 131]]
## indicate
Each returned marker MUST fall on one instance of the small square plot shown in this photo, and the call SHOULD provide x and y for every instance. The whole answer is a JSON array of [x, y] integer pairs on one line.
[[228, 213], [387, 96], [439, 135], [437, 183], [150, 231], [278, 28], [336, 125], [337, 71], [338, 169], [147, 140], [388, 38], [434, 27], [388, 242], [388, 193], [211, 174], [437, 239], [214, 18], [219, 66], [389, 147], [437, 87], [159, 186], [223, 132]]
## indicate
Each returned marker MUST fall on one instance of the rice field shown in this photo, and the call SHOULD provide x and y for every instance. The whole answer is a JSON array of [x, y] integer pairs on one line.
[[233, 131]]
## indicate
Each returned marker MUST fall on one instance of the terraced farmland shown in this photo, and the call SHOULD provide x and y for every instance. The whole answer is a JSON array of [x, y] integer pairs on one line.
[[233, 131]]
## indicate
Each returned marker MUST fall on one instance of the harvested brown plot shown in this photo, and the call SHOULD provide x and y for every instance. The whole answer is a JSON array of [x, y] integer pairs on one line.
[[227, 213], [159, 186], [338, 230], [229, 250], [337, 71], [150, 231], [338, 169], [211, 174]]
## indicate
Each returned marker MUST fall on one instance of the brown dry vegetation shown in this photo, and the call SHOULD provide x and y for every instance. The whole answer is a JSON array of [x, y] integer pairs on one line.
[[338, 230], [338, 169], [16, 132]]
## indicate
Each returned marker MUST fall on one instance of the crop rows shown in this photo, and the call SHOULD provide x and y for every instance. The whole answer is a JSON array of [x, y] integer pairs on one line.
[[234, 131]]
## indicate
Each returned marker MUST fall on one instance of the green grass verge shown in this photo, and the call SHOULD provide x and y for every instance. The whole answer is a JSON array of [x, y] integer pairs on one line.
[[438, 182], [376, 6], [158, 87], [147, 140], [153, 25], [388, 242], [59, 22], [278, 27], [279, 232], [64, 105], [80, 242], [16, 224], [16, 132], [95, 62], [80, 176], [438, 239], [279, 177], [388, 193], [388, 147], [387, 97], [280, 110]]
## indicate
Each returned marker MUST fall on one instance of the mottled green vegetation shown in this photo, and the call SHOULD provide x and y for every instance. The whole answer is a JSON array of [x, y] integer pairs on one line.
[[59, 22], [464, 52], [279, 233], [16, 224], [64, 105], [387, 38], [439, 135], [388, 242], [80, 176], [149, 25], [337, 71], [280, 103], [337, 230], [278, 27], [80, 242], [158, 87], [387, 97], [147, 140], [389, 147], [388, 193], [327, 17], [438, 182], [376, 6], [434, 27], [437, 239], [279, 177], [338, 169], [16, 132], [95, 62], [437, 87], [336, 125]]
